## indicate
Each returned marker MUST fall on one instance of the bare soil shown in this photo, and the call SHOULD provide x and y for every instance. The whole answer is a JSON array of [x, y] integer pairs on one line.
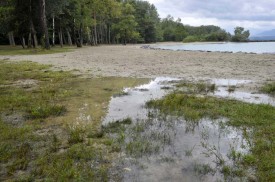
[[133, 61]]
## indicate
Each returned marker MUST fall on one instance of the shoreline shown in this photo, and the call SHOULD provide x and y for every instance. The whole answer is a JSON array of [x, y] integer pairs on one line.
[[155, 47]]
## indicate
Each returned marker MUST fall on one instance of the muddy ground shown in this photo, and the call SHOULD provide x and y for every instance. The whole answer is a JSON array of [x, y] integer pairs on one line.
[[132, 61]]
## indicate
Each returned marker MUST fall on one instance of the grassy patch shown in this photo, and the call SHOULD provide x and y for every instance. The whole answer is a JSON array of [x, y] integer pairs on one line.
[[18, 50], [198, 88], [48, 144], [259, 118], [269, 88]]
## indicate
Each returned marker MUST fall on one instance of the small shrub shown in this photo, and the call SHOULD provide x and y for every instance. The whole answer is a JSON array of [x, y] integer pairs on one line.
[[41, 112], [269, 88], [231, 88], [77, 133], [191, 39]]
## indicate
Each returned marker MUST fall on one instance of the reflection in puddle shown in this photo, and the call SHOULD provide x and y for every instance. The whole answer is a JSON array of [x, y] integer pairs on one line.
[[229, 82], [132, 104], [183, 150], [223, 90], [166, 148]]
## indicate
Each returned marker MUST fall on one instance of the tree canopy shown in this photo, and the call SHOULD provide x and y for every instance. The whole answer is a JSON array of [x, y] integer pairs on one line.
[[93, 22], [241, 35]]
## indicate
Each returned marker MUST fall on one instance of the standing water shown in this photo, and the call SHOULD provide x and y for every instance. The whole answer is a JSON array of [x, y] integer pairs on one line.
[[251, 47], [167, 148]]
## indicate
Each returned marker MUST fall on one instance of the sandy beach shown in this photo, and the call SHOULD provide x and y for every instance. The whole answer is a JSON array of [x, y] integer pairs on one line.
[[133, 61]]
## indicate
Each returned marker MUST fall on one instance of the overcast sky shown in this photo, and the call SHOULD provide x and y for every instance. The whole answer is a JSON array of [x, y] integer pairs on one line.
[[255, 15]]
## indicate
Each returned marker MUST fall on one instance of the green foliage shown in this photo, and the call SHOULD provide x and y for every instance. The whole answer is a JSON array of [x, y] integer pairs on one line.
[[45, 110], [147, 17], [126, 27], [240, 35], [191, 38], [38, 103], [44, 148], [8, 50], [102, 21], [269, 88], [77, 133], [220, 35]]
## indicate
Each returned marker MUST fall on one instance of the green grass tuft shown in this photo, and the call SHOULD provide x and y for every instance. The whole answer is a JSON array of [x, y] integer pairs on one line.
[[269, 88], [18, 50]]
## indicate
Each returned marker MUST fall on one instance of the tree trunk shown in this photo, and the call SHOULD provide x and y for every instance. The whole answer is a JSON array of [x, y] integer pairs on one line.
[[32, 36], [92, 36], [109, 29], [11, 39], [89, 36], [81, 35], [93, 39], [23, 42], [30, 21], [74, 33], [60, 34], [35, 41], [45, 33], [30, 40], [95, 31], [9, 35], [100, 31], [53, 41], [106, 34], [125, 34], [64, 38], [69, 38]]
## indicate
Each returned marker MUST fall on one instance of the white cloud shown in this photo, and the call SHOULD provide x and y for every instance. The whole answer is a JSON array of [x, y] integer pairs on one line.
[[252, 14]]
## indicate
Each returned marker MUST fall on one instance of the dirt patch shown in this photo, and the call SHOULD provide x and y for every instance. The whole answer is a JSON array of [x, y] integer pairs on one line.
[[16, 119], [26, 84], [132, 61]]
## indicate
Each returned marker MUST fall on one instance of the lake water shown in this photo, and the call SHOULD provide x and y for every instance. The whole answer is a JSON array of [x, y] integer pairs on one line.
[[250, 47]]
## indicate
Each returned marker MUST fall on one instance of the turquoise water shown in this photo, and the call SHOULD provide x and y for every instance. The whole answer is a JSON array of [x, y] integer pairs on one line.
[[251, 47]]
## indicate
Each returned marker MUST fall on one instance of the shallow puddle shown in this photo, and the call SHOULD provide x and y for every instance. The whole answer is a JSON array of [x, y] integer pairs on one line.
[[223, 91], [131, 103], [184, 151], [167, 148]]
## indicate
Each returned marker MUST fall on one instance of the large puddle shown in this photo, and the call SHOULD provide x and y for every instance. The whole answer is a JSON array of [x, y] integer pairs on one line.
[[177, 150], [166, 148], [131, 103]]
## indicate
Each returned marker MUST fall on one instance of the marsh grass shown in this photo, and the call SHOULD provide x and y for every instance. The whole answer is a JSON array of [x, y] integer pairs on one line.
[[231, 88], [197, 88], [42, 146], [269, 88], [203, 169], [18, 50], [259, 118]]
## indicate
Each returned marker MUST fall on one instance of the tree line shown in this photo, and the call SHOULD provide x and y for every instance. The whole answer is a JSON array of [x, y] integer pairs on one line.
[[91, 22]]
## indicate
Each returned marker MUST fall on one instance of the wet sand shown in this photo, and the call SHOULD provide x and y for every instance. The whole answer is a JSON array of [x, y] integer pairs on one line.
[[132, 61]]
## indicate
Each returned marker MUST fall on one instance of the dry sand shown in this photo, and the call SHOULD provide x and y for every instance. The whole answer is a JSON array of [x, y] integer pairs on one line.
[[132, 61]]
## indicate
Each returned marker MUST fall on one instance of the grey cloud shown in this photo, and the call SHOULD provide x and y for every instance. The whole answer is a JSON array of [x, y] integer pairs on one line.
[[249, 10]]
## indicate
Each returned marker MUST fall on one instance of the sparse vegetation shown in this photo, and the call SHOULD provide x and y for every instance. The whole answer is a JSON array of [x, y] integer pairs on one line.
[[231, 88], [42, 145], [269, 88], [198, 88], [260, 118], [17, 50]]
